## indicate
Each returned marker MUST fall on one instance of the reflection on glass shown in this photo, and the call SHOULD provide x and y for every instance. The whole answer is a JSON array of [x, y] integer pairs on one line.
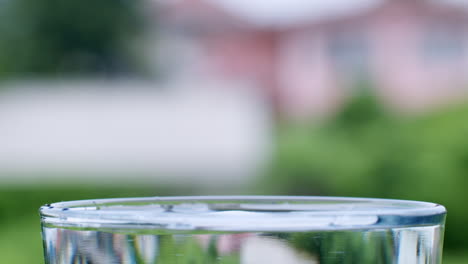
[[243, 230], [399, 245]]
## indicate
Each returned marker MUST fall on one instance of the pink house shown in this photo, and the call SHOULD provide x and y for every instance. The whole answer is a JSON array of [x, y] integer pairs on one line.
[[414, 52]]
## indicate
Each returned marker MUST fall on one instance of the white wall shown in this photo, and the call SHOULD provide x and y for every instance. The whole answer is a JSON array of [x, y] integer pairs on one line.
[[193, 132]]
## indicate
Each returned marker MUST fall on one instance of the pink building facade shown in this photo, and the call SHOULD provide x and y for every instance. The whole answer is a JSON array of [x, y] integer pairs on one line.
[[413, 52]]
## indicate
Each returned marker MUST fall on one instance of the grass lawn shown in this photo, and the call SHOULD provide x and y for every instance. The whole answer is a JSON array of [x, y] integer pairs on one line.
[[20, 229], [453, 257]]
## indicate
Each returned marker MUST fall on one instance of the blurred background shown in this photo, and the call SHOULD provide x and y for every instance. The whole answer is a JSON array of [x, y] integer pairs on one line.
[[119, 98]]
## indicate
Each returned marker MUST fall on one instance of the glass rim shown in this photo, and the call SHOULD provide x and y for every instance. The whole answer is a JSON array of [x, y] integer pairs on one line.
[[241, 213]]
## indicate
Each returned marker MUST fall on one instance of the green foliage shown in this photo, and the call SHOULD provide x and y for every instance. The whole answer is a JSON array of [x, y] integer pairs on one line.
[[189, 251], [367, 152], [48, 37], [342, 247]]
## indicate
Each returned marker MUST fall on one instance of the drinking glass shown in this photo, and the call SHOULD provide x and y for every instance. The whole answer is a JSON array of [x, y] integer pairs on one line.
[[243, 230]]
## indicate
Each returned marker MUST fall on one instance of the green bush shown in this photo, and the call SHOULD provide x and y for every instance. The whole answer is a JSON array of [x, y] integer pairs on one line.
[[365, 151]]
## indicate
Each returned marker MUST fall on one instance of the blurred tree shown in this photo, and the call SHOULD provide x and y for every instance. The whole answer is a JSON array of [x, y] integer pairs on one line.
[[53, 37], [367, 152]]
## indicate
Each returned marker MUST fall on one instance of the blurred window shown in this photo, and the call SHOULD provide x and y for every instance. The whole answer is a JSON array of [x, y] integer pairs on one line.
[[443, 43], [349, 51]]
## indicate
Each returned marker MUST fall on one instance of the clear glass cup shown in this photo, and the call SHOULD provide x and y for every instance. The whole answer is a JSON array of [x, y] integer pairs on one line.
[[243, 229]]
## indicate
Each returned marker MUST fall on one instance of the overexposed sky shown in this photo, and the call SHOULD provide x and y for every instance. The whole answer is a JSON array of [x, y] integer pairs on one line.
[[284, 12], [280, 12]]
